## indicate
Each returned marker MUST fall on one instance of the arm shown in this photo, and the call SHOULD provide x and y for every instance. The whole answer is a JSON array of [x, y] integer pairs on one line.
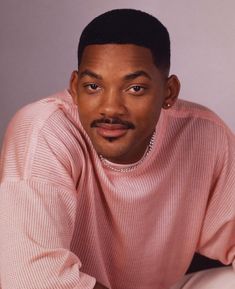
[[217, 240], [38, 202], [36, 227]]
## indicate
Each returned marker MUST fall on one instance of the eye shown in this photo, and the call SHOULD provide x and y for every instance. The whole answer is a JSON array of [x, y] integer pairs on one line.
[[137, 89], [92, 87]]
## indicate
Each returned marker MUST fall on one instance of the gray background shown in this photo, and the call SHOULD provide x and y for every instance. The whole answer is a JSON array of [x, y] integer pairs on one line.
[[38, 42]]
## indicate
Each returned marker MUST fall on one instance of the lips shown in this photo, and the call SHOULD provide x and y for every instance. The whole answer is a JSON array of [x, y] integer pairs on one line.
[[111, 130]]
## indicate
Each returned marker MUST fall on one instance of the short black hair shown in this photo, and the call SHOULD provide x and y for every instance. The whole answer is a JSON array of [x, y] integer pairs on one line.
[[129, 26]]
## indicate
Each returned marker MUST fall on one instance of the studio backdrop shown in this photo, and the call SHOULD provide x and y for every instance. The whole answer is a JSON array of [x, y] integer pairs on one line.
[[38, 43]]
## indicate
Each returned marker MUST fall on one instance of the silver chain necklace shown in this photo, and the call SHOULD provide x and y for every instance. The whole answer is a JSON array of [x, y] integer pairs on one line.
[[135, 165]]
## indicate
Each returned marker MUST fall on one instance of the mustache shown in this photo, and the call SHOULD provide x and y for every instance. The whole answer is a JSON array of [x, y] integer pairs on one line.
[[113, 120]]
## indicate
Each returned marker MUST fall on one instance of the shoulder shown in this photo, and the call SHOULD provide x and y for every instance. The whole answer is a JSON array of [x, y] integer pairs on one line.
[[187, 109], [40, 134], [34, 117], [197, 128], [35, 114], [198, 116]]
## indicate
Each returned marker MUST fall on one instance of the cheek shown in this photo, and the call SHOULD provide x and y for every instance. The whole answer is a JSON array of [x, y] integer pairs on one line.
[[86, 107], [85, 117], [147, 112]]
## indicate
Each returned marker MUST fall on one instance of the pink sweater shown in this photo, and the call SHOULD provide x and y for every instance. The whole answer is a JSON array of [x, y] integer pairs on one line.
[[67, 220]]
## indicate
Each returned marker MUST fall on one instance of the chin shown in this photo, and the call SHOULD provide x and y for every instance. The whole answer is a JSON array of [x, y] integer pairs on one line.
[[116, 156]]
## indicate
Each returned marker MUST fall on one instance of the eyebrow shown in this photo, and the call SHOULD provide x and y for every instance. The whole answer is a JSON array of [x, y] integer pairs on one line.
[[136, 74], [90, 73], [130, 76]]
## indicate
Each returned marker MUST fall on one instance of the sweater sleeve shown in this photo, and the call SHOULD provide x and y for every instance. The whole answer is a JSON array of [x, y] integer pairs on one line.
[[217, 240], [38, 202], [36, 227]]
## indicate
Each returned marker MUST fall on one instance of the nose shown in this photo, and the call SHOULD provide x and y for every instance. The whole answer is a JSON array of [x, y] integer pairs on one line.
[[113, 104]]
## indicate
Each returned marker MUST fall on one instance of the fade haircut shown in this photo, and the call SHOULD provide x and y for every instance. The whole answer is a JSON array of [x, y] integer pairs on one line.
[[129, 26]]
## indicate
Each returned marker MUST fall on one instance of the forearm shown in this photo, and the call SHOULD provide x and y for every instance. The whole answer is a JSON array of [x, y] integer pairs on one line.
[[38, 250]]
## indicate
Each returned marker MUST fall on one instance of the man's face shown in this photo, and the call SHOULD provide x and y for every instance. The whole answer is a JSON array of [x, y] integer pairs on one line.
[[119, 92]]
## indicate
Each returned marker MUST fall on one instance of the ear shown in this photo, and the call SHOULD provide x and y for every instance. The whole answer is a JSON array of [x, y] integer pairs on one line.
[[172, 91], [73, 86]]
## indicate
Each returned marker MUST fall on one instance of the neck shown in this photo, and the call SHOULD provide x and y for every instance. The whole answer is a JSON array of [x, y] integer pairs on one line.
[[134, 157]]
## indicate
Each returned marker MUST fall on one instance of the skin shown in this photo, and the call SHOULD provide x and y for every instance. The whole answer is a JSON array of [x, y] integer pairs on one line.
[[120, 92]]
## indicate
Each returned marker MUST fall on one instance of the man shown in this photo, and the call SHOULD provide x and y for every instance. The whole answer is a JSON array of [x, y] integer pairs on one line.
[[116, 183]]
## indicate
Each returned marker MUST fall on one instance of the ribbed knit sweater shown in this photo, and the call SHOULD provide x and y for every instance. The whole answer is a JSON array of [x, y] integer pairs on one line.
[[67, 219]]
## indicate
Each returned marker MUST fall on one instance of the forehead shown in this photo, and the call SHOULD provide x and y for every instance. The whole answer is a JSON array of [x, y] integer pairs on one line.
[[117, 56]]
